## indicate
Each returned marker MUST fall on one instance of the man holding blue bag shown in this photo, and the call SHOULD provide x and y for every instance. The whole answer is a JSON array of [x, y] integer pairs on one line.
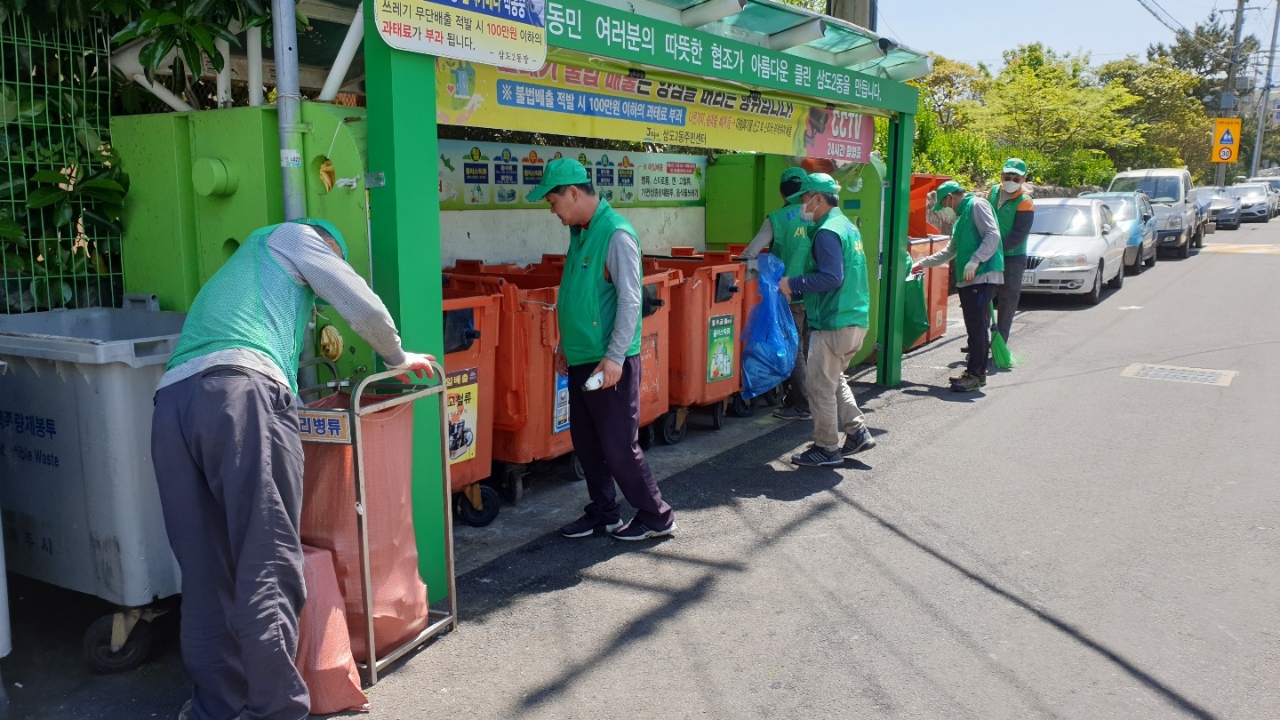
[[786, 234], [837, 305]]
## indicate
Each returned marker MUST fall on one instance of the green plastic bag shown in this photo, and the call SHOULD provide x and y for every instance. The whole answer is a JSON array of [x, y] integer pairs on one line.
[[915, 311]]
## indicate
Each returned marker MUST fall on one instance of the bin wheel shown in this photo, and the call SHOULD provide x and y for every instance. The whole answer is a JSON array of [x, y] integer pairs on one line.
[[742, 407], [97, 646], [773, 398], [673, 431], [513, 481], [717, 415], [490, 504], [647, 436], [578, 473]]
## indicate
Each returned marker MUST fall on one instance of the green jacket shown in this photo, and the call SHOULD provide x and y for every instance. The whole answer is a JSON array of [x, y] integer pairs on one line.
[[966, 239], [850, 304], [588, 299], [791, 242], [1005, 215], [251, 303]]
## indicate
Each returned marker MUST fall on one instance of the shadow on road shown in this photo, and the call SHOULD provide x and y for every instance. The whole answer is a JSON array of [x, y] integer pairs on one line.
[[1173, 697]]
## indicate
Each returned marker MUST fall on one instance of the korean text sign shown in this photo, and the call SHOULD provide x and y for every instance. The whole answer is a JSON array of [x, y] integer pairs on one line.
[[494, 32]]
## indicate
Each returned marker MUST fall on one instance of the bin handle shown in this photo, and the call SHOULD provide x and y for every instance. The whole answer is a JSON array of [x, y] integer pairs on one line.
[[419, 391], [151, 348]]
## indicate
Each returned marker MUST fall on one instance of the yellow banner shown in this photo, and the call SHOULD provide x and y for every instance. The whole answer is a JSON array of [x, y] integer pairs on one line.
[[568, 100]]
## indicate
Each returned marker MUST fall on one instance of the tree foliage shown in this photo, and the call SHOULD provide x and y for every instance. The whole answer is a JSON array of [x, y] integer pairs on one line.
[[1205, 52]]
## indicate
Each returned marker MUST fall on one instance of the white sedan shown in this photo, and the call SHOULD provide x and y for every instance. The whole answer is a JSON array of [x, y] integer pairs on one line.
[[1075, 246]]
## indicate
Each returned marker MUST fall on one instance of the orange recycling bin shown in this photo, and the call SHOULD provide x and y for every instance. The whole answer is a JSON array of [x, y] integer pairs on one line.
[[655, 332], [531, 402], [917, 219], [707, 321], [936, 286], [471, 337]]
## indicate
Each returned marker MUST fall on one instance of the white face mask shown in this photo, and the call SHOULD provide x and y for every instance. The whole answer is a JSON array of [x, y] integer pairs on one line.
[[805, 213], [1011, 186]]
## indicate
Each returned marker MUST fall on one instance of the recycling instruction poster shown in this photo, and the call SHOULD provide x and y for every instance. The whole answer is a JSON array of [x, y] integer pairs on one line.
[[494, 176], [720, 348]]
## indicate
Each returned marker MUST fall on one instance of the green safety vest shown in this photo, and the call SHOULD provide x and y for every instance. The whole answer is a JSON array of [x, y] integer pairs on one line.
[[850, 304], [791, 242], [251, 303], [1004, 218], [588, 299], [966, 239]]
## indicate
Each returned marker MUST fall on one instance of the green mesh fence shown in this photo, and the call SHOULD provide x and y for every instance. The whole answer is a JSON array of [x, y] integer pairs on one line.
[[60, 191]]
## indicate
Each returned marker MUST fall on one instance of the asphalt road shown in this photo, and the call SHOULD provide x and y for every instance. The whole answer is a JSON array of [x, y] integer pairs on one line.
[[1072, 543]]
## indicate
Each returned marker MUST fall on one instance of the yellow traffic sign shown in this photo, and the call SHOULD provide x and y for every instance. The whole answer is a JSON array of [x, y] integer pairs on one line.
[[1226, 140]]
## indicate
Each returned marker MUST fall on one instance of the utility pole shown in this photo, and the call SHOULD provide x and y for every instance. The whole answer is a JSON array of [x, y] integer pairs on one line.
[[1264, 108], [1229, 93]]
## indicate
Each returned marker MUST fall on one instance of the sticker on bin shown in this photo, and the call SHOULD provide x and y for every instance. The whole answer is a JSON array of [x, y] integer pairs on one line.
[[323, 426], [464, 417], [720, 348], [560, 417]]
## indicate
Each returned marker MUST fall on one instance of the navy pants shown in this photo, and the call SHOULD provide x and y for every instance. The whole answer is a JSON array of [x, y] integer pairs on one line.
[[975, 302], [228, 461], [605, 425]]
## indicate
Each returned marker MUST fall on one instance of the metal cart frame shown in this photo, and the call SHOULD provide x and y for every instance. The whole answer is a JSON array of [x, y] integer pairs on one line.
[[349, 433]]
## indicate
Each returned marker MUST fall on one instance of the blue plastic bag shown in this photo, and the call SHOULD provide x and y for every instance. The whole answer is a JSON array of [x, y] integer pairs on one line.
[[769, 351]]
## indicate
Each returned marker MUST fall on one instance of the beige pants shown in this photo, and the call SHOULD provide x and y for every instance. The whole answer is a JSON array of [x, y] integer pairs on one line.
[[830, 399]]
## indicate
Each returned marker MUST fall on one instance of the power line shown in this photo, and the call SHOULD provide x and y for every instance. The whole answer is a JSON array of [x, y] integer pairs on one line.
[[1151, 6]]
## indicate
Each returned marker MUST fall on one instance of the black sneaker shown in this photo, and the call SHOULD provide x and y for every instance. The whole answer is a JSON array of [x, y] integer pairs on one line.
[[860, 441], [958, 378], [587, 525], [636, 530], [969, 384], [817, 457], [790, 413]]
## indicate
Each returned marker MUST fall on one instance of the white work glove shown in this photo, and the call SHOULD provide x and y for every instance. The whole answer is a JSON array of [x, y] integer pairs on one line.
[[971, 271], [416, 363]]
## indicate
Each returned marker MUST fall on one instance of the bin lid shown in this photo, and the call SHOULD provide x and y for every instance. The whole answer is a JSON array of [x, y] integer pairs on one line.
[[93, 336]]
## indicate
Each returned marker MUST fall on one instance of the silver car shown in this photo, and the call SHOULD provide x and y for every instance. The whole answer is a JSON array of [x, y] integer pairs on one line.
[[1075, 246], [1255, 201]]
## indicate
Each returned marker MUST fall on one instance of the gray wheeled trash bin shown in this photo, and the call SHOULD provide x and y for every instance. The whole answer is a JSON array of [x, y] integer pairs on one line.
[[78, 492]]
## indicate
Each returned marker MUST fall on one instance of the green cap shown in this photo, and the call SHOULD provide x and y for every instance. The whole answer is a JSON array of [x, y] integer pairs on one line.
[[561, 171], [945, 189], [329, 228], [1016, 166], [793, 173], [817, 182]]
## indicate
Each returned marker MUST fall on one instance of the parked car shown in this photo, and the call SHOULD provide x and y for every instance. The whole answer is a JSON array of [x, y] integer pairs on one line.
[[1255, 201], [1274, 183], [1170, 192], [1074, 247], [1134, 215], [1203, 198], [1225, 210]]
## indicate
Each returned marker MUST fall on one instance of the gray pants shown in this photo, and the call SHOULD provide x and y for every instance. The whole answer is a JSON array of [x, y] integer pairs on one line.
[[1008, 295], [797, 397], [832, 402], [228, 461]]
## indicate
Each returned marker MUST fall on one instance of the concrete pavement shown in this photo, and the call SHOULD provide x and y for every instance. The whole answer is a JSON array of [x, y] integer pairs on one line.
[[1072, 543]]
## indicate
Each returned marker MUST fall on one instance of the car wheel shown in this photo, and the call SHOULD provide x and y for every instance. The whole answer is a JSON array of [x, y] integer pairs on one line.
[[1200, 238], [1117, 282], [1151, 261], [1136, 267], [1095, 295], [1184, 250]]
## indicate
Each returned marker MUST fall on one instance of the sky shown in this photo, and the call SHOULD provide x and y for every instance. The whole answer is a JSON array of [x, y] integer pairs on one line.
[[1108, 29]]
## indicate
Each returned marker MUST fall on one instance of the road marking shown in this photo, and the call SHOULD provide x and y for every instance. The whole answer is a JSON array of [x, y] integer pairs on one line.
[[1131, 307], [1173, 373], [1241, 249]]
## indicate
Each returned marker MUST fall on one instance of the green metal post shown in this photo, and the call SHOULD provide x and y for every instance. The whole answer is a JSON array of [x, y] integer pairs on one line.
[[892, 248], [405, 226]]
